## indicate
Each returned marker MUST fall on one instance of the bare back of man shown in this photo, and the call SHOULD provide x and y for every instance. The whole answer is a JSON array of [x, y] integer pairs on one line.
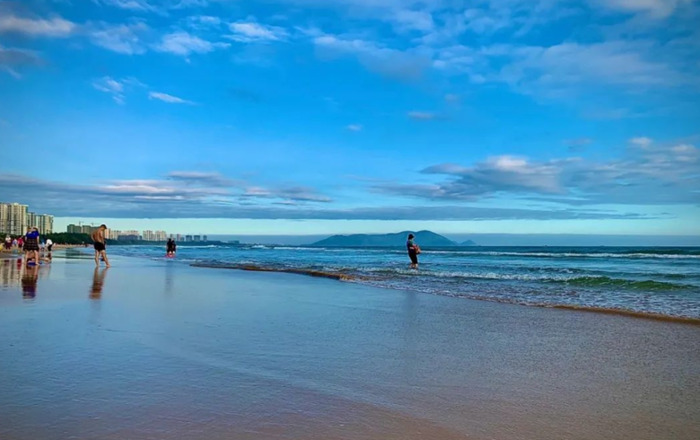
[[98, 237]]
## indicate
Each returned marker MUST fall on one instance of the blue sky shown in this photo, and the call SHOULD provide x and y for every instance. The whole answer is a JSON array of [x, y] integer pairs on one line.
[[315, 117]]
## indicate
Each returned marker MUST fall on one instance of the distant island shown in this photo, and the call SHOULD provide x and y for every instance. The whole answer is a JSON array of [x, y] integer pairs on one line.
[[423, 238]]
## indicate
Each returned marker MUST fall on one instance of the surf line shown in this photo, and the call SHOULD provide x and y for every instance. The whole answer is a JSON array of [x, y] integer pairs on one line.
[[254, 268]]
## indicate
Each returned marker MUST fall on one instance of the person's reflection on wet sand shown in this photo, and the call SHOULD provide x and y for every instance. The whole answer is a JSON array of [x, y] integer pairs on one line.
[[29, 281], [98, 280]]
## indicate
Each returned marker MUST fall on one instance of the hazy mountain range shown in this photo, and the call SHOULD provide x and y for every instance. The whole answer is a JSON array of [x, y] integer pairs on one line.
[[423, 238]]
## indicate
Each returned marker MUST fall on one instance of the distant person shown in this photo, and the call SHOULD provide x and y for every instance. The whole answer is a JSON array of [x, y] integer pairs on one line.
[[170, 248], [31, 246], [49, 244], [413, 251], [8, 243], [98, 237], [20, 243]]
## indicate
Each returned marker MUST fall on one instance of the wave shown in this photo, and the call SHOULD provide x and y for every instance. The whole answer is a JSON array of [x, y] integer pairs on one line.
[[399, 273], [299, 271], [631, 255], [603, 281]]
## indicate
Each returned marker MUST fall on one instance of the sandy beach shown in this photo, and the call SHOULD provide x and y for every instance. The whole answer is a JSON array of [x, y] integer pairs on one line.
[[159, 350]]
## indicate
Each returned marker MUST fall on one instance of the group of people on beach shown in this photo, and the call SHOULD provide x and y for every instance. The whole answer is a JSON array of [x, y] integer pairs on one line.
[[31, 245]]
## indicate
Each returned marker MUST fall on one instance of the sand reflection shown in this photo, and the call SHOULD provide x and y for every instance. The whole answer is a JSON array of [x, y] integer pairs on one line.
[[29, 281], [98, 280]]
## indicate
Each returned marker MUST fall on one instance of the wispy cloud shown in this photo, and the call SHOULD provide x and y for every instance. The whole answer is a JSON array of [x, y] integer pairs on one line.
[[664, 174], [126, 39], [354, 127], [162, 199], [51, 27], [422, 116], [641, 142], [251, 31], [655, 8], [116, 87], [113, 87], [184, 44], [12, 59], [157, 6], [170, 99], [386, 61]]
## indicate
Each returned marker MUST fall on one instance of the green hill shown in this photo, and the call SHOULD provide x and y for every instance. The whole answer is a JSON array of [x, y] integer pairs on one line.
[[423, 238]]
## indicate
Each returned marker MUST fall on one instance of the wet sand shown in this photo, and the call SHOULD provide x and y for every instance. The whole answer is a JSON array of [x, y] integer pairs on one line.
[[159, 350]]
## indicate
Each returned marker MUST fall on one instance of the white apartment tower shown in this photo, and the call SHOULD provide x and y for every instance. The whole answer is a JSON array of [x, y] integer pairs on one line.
[[13, 218]]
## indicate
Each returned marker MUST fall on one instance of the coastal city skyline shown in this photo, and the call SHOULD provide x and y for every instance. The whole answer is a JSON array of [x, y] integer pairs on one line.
[[15, 218], [300, 117]]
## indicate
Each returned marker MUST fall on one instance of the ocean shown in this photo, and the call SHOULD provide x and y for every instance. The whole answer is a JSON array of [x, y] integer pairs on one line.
[[656, 281]]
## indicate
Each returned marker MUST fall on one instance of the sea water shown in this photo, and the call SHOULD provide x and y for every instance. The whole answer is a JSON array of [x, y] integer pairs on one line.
[[656, 280]]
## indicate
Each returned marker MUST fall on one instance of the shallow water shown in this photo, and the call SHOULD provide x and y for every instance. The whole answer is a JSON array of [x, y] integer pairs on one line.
[[663, 281], [153, 350]]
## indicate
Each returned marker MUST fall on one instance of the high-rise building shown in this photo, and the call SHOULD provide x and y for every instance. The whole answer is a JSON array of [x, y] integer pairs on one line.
[[188, 238], [32, 220], [204, 238], [13, 218], [161, 236], [197, 238], [45, 223]]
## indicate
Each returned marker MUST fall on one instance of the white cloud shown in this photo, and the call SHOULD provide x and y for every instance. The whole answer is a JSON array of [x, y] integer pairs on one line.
[[250, 31], [422, 116], [124, 38], [132, 5], [184, 43], [113, 87], [641, 142], [411, 20], [354, 127], [157, 6], [654, 8], [652, 175], [53, 27], [203, 21], [394, 63], [116, 87], [170, 99]]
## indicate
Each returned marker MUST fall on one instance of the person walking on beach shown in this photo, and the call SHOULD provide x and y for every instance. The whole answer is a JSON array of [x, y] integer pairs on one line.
[[31, 246], [8, 243], [98, 237], [413, 251], [49, 244]]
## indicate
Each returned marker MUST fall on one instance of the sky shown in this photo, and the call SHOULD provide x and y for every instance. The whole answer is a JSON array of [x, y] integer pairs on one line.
[[319, 116]]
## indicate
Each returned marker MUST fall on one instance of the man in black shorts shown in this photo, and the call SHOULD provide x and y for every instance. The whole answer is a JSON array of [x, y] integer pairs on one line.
[[413, 251], [98, 237]]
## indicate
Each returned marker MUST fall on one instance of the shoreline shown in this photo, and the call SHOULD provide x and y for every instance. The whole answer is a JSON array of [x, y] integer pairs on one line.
[[689, 320]]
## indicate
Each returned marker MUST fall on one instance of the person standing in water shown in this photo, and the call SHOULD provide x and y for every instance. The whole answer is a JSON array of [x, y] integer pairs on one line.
[[170, 248], [98, 237], [31, 246], [413, 251]]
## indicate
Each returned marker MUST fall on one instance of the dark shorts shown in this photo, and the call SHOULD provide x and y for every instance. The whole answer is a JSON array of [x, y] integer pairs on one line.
[[99, 247], [30, 245], [49, 247], [413, 257]]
